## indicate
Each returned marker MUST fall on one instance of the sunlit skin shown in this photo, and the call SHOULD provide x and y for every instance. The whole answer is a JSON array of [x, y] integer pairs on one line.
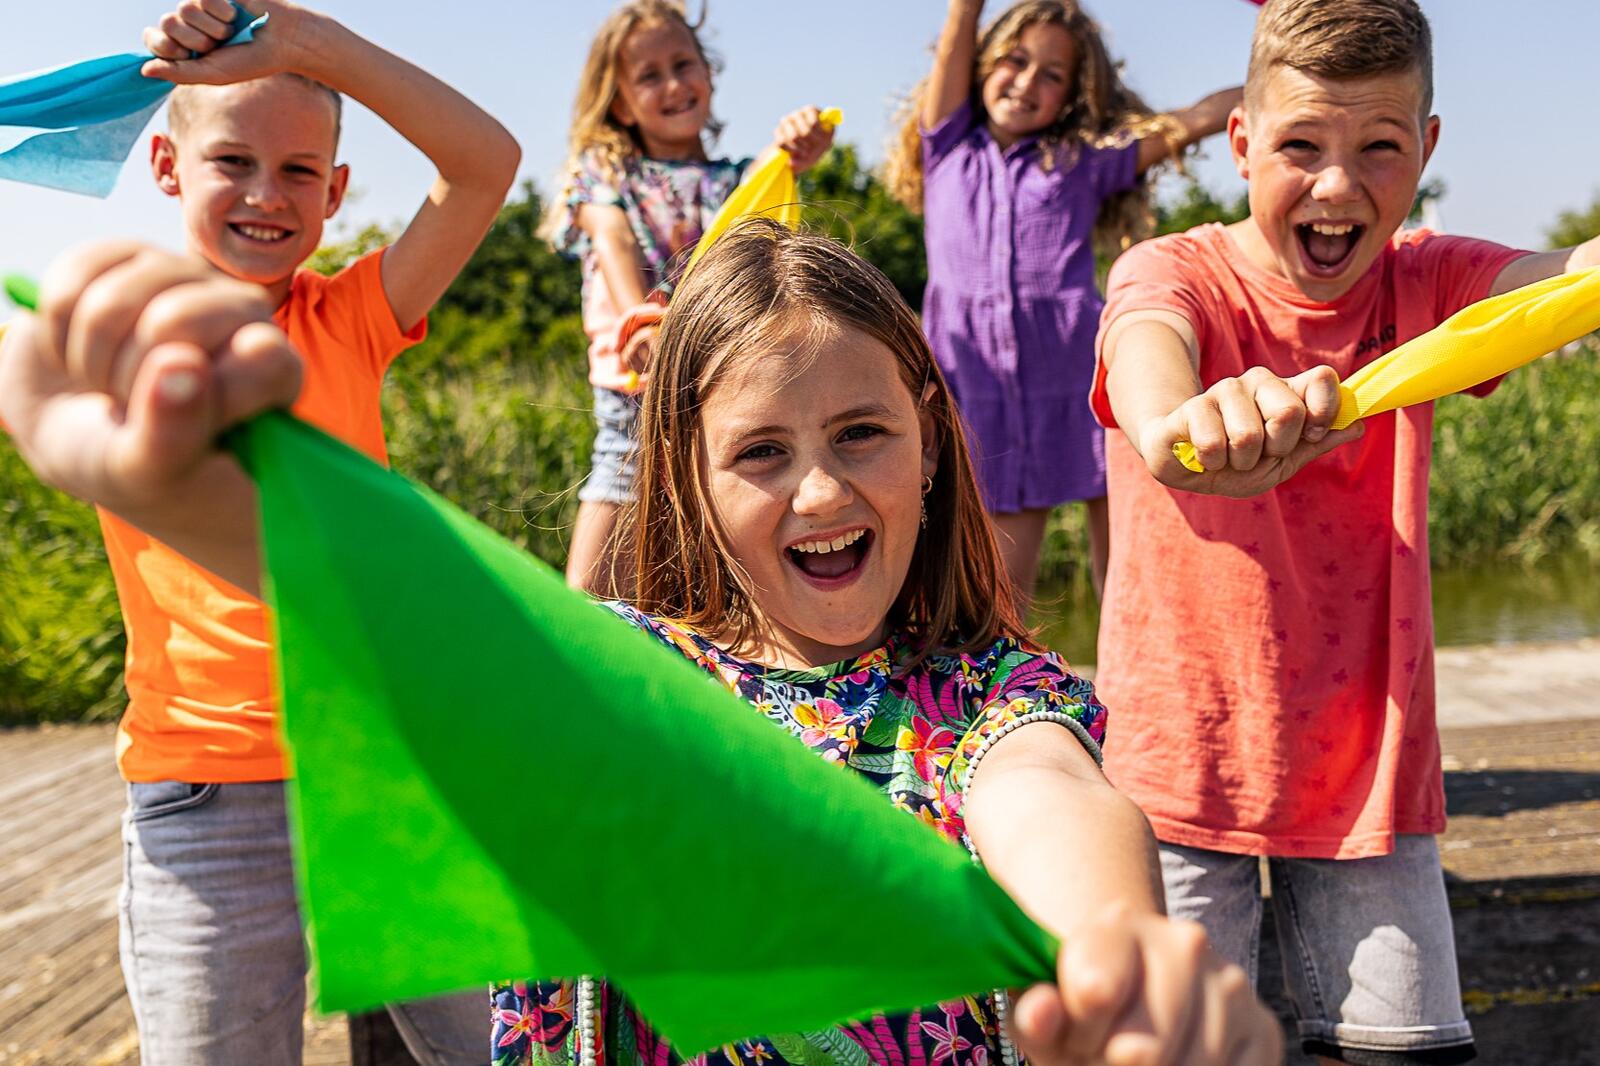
[[798, 449], [1331, 153], [254, 168], [1029, 87], [664, 90]]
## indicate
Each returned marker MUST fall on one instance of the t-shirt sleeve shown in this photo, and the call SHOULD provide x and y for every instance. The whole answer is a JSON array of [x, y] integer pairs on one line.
[[1463, 269], [1157, 275], [587, 183], [356, 295], [1027, 686], [938, 141]]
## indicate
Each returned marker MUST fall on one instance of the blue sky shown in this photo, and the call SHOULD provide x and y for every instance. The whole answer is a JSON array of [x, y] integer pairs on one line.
[[1513, 90]]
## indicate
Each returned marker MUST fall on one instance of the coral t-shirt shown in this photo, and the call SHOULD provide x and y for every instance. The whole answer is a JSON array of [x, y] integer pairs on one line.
[[199, 668], [1268, 662]]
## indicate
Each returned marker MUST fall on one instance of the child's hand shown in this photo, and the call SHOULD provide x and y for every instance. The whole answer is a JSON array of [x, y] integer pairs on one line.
[[1250, 433], [1140, 988], [186, 43], [115, 391], [636, 353], [804, 136]]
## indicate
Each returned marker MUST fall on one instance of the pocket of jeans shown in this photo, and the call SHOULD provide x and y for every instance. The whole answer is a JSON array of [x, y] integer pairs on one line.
[[156, 799]]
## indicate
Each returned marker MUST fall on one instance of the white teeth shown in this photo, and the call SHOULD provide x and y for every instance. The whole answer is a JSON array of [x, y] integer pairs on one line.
[[260, 233], [817, 547], [1329, 229]]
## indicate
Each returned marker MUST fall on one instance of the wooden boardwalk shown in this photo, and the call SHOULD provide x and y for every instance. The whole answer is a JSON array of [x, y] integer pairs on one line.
[[1521, 732]]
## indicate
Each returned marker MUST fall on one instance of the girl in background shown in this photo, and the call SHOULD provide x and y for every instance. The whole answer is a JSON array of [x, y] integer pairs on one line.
[[1025, 152], [639, 189]]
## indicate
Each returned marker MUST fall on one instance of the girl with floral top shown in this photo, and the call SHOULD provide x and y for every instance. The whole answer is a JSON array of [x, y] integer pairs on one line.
[[809, 531], [639, 189]]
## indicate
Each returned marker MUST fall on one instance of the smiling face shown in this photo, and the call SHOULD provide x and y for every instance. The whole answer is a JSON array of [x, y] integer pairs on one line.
[[1028, 89], [253, 164], [813, 454], [663, 90], [1333, 167]]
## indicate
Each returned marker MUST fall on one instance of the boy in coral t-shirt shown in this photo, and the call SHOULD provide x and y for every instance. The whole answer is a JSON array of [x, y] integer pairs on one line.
[[212, 946], [1266, 647]]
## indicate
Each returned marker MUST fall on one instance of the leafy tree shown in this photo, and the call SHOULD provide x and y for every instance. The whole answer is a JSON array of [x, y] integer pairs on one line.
[[851, 204], [1575, 227], [1196, 206]]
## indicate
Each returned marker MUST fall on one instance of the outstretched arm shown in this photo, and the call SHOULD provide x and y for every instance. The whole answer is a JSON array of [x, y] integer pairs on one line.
[[1130, 985], [116, 390], [1196, 122], [950, 83], [475, 156], [1251, 432], [1541, 265]]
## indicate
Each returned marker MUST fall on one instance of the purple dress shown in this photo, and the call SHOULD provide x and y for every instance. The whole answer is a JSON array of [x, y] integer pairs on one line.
[[1011, 306]]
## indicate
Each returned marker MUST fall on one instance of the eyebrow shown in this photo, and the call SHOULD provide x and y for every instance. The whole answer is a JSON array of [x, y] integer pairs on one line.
[[867, 410]]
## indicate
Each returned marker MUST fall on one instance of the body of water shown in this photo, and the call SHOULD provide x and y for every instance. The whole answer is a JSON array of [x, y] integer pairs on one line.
[[1557, 600]]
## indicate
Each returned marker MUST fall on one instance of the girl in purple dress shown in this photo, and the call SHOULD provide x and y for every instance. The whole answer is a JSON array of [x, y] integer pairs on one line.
[[1025, 152]]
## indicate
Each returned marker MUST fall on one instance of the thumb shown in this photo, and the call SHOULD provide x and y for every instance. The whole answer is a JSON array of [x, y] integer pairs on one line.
[[1308, 450], [224, 66], [169, 424]]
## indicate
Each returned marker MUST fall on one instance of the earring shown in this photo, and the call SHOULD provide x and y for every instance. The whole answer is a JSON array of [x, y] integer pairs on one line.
[[927, 487]]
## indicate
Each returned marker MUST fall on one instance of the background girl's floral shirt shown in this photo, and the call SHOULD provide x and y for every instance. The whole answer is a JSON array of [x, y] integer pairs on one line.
[[669, 204], [911, 732]]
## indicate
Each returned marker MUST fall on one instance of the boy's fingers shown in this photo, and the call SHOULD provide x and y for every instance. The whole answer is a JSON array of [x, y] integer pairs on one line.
[[160, 45], [109, 308], [257, 371], [1319, 387], [1283, 416], [185, 35], [64, 282], [196, 16], [1242, 424], [1200, 423], [206, 313], [169, 424]]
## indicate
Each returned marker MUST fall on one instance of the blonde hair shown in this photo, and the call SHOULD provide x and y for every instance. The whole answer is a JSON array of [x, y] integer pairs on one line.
[[1342, 39], [759, 280], [1100, 111], [182, 102], [596, 135]]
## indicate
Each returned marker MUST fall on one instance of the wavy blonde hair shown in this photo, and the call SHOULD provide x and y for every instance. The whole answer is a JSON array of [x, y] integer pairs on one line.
[[597, 135], [758, 281], [1100, 112]]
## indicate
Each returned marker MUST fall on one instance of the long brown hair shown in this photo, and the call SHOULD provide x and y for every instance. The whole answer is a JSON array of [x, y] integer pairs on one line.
[[595, 132], [760, 280], [1100, 111]]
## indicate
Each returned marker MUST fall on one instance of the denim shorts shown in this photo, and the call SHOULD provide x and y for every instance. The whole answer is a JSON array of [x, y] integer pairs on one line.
[[612, 472], [1369, 953]]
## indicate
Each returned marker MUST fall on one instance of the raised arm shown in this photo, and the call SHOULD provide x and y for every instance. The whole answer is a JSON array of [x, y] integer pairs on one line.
[[476, 158], [116, 390], [1251, 432], [1196, 122], [1080, 858], [950, 83]]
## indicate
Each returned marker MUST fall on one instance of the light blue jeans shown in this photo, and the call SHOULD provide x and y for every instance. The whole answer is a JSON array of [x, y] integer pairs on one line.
[[1369, 953], [211, 941]]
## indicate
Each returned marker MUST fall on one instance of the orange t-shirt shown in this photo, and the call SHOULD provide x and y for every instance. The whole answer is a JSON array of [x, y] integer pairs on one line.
[[199, 669], [1268, 662]]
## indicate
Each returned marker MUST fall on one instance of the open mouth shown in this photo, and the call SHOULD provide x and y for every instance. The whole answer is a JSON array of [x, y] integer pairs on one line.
[[260, 234], [1327, 247], [682, 109], [832, 562]]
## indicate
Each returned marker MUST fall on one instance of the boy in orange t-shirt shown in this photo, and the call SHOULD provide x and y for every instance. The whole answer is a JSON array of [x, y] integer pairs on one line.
[[212, 947], [1266, 646]]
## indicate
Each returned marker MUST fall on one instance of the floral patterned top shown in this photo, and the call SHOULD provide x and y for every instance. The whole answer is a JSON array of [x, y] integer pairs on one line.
[[669, 204], [917, 734]]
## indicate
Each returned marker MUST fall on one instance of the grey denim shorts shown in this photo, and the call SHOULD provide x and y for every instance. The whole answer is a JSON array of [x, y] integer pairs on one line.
[[612, 471], [1369, 952]]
